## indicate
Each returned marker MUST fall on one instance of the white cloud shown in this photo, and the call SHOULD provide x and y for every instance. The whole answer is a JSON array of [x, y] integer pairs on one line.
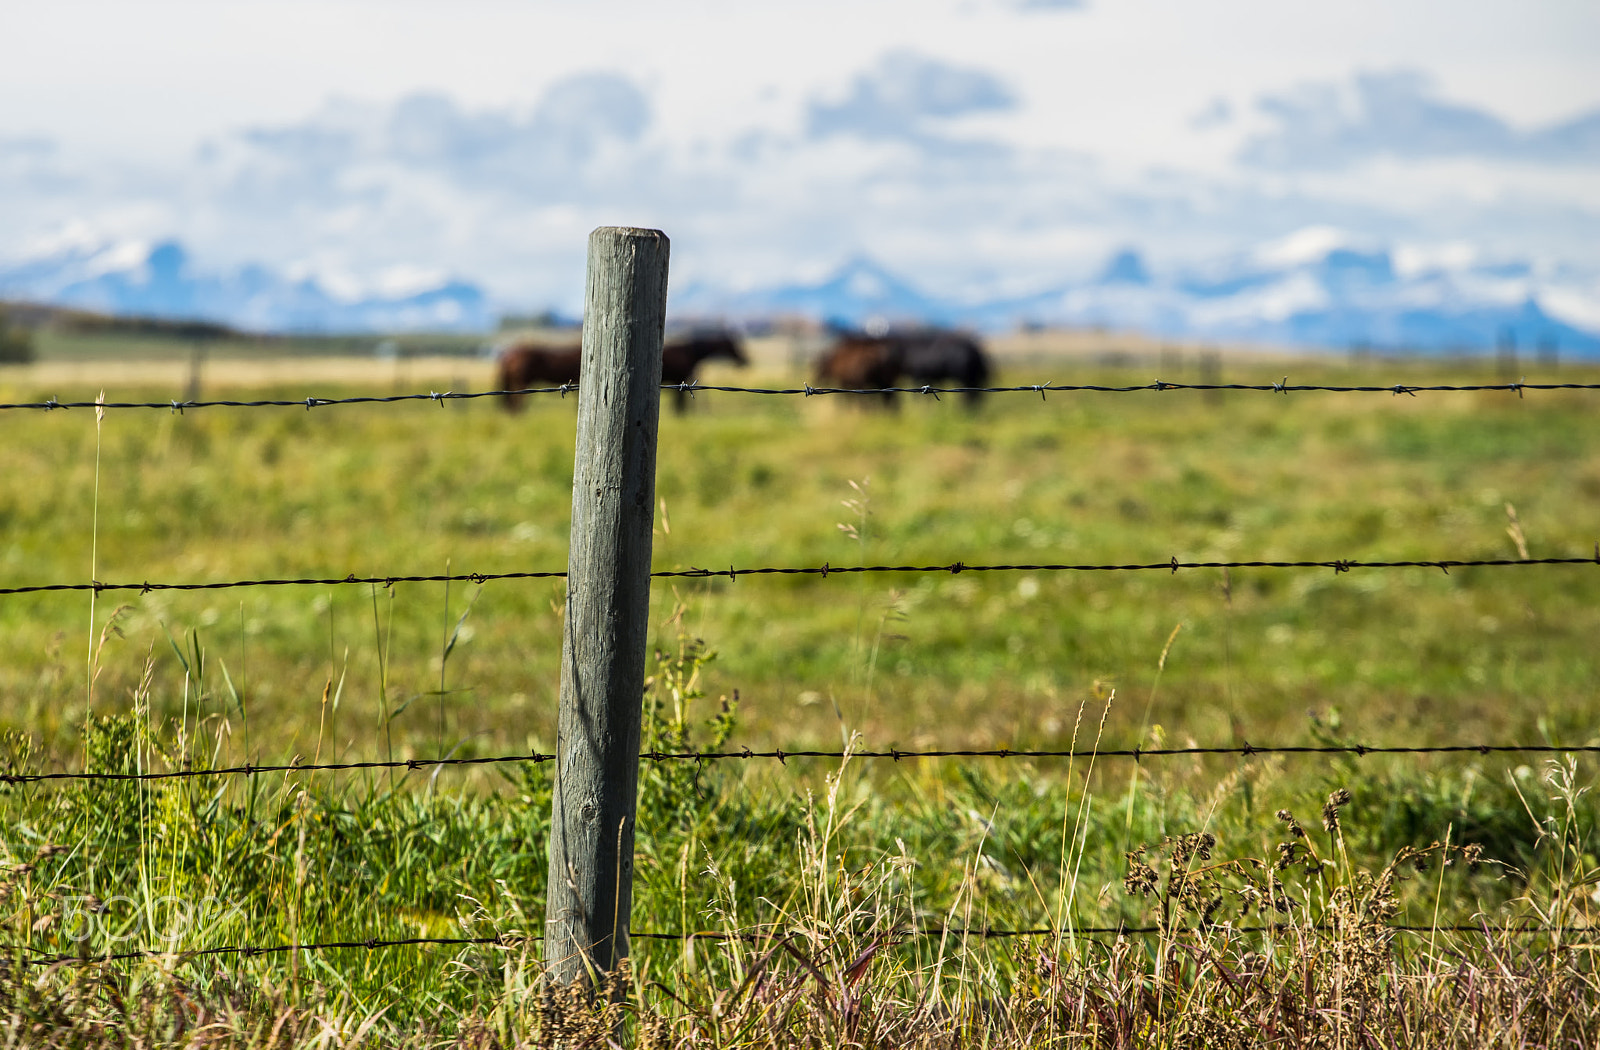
[[974, 148], [1397, 113], [1577, 304], [905, 96]]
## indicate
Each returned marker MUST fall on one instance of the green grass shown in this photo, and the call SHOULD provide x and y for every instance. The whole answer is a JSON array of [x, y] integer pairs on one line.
[[849, 872], [971, 659], [915, 661]]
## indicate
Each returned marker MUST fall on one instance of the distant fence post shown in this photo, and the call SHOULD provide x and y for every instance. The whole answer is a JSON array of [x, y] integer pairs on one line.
[[1211, 374], [590, 886], [197, 360], [1506, 355]]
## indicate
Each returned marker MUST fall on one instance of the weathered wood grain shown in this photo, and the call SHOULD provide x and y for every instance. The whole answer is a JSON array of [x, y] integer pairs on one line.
[[590, 887]]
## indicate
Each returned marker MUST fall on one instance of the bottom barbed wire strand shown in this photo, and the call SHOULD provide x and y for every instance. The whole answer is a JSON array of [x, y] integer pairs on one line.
[[982, 933]]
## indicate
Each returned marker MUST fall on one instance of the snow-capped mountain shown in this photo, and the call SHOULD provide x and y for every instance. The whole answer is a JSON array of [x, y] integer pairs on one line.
[[1314, 289], [859, 290], [159, 281]]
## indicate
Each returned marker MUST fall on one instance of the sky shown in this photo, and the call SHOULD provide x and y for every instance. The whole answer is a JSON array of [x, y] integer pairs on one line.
[[978, 147]]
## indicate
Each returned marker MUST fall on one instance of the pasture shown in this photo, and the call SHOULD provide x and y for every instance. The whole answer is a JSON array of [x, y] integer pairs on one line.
[[1019, 659]]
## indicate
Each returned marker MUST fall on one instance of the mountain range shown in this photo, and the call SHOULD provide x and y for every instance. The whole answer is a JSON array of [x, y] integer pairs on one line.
[[1316, 288], [160, 281], [1310, 295]]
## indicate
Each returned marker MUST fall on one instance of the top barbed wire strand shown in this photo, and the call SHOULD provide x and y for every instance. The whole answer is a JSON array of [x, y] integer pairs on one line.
[[1041, 389]]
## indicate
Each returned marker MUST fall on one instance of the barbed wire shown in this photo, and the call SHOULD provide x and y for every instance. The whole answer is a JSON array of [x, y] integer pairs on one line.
[[764, 936], [1246, 750], [51, 404], [253, 950], [807, 390], [386, 581], [1050, 387], [783, 755], [253, 769], [1173, 565]]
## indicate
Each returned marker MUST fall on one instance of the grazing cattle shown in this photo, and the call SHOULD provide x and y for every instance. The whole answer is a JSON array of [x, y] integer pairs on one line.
[[922, 358], [935, 356], [531, 364], [681, 356], [861, 363]]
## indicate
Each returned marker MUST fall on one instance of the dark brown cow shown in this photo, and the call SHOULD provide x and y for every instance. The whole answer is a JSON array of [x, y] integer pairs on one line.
[[925, 357], [681, 356], [861, 363], [533, 364], [937, 356]]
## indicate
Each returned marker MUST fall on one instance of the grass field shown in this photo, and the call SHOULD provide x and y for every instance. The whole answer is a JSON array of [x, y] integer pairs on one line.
[[1022, 658]]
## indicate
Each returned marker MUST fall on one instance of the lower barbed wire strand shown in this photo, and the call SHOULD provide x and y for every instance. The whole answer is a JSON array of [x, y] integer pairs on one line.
[[784, 755], [1171, 565], [982, 933]]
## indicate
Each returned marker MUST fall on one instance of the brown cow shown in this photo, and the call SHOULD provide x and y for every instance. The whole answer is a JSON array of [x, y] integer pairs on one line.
[[862, 363], [532, 364], [923, 357], [681, 356]]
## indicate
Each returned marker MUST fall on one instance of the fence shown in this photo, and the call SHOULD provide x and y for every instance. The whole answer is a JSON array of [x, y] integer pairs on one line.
[[609, 574]]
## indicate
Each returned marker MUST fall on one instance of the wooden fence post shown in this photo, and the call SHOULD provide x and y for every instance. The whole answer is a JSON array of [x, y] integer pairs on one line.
[[590, 887]]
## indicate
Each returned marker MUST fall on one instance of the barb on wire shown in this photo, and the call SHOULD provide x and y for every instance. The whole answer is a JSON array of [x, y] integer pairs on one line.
[[807, 390], [776, 934], [783, 755], [1338, 565]]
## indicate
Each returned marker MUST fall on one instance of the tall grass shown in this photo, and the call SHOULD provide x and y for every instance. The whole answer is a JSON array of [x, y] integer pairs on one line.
[[853, 914]]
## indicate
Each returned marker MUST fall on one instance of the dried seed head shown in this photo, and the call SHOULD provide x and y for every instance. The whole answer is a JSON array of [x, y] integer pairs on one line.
[[1330, 810], [1141, 877]]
